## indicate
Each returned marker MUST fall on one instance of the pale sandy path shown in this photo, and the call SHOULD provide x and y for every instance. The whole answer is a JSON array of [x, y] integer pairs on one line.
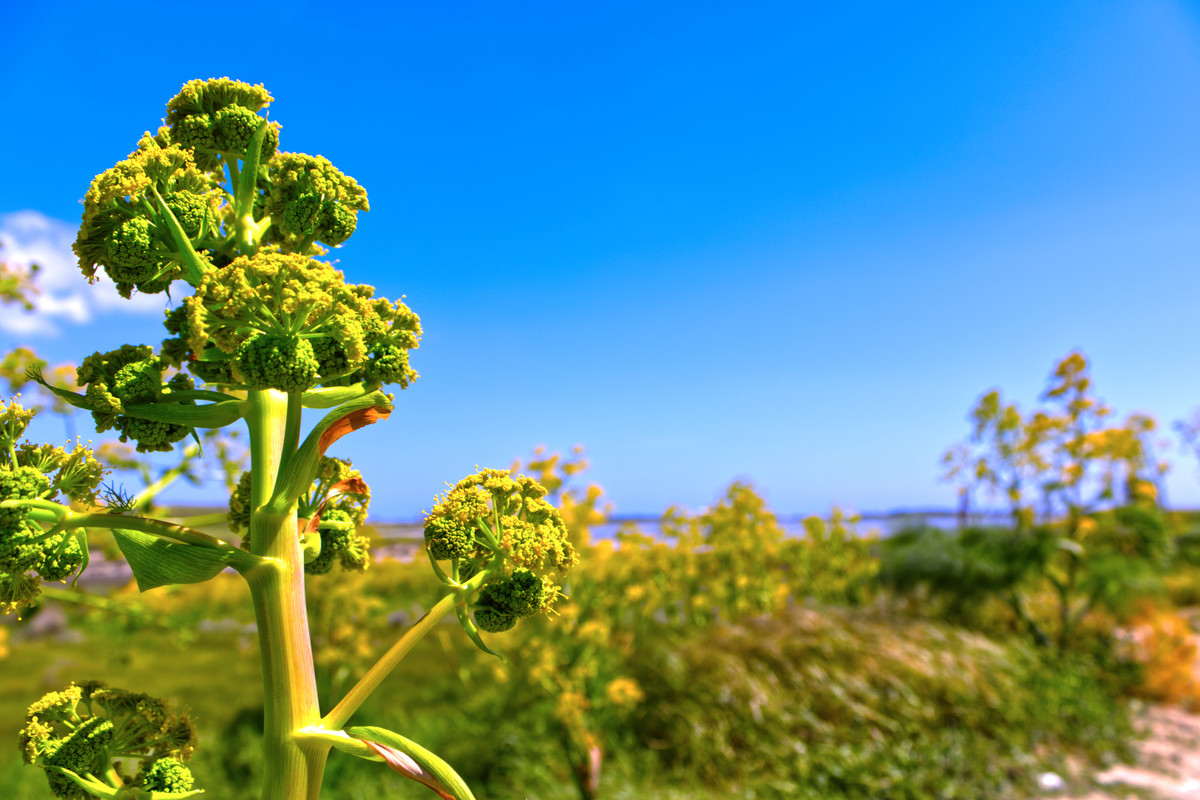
[[1167, 758], [1168, 761]]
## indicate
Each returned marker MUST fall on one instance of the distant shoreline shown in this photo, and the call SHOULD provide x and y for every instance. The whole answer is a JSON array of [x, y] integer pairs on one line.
[[878, 523], [984, 515]]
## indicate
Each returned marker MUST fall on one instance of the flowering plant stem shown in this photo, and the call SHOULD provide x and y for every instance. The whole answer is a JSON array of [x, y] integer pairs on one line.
[[277, 589]]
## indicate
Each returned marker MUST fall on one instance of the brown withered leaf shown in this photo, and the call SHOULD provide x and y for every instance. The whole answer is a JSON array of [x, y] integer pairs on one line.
[[350, 423]]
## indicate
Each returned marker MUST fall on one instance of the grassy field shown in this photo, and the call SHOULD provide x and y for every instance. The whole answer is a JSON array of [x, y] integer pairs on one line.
[[830, 703]]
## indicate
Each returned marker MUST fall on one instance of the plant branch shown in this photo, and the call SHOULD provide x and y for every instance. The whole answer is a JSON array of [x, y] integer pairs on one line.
[[369, 682], [159, 528]]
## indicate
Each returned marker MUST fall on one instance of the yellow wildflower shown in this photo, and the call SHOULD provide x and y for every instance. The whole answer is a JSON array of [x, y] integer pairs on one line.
[[1144, 490], [624, 693], [1086, 527]]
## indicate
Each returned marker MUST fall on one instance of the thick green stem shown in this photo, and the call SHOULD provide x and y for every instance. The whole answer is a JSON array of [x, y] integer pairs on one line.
[[315, 754], [295, 408], [267, 421], [291, 770], [245, 186]]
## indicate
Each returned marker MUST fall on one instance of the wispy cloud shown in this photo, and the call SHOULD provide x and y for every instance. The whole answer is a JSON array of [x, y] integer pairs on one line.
[[64, 296]]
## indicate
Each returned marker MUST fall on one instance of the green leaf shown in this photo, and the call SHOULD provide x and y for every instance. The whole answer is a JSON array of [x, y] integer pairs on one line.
[[330, 396], [248, 179], [71, 398], [156, 562], [214, 415], [468, 625], [193, 264], [340, 740]]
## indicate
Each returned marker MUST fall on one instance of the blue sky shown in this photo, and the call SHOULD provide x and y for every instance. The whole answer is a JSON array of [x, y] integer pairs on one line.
[[789, 243]]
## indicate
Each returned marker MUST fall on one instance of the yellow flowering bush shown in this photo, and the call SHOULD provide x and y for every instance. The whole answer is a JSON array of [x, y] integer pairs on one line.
[[729, 563], [1086, 530]]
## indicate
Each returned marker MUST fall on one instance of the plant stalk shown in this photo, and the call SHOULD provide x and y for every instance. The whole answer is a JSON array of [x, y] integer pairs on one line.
[[291, 771], [341, 713], [369, 682]]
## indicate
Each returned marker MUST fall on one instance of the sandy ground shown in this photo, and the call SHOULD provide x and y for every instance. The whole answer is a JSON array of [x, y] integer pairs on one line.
[[1168, 762]]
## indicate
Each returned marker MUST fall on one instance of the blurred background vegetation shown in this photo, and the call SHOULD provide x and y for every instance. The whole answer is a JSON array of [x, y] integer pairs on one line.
[[721, 657], [717, 654]]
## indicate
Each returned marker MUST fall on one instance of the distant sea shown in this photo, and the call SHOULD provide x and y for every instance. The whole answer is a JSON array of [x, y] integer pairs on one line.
[[881, 524]]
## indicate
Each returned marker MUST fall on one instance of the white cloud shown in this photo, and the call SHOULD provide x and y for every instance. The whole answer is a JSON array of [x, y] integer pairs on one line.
[[31, 237]]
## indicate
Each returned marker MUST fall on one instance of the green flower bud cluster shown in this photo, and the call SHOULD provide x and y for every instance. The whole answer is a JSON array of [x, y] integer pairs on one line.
[[338, 500], [198, 171], [209, 365], [124, 228], [132, 376], [502, 602], [31, 472], [492, 514], [218, 118], [290, 323], [310, 200], [166, 774], [92, 730], [240, 507], [340, 543], [276, 361]]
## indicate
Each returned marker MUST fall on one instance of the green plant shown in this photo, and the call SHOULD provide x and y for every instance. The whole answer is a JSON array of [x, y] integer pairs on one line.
[[47, 389], [78, 734], [729, 563], [271, 330], [1086, 524], [849, 703]]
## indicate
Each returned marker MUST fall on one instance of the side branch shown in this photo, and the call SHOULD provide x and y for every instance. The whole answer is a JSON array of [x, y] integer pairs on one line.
[[358, 695], [239, 558], [297, 469], [354, 698]]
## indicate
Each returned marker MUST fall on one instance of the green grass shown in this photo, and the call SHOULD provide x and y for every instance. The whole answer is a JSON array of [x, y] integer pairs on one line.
[[824, 703]]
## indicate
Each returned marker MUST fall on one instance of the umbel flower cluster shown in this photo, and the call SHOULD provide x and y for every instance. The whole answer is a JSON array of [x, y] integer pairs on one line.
[[30, 475], [89, 730], [174, 180], [331, 514], [492, 522], [211, 201]]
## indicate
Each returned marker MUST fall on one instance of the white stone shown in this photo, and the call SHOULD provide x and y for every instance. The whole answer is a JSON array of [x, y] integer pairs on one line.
[[1051, 782]]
